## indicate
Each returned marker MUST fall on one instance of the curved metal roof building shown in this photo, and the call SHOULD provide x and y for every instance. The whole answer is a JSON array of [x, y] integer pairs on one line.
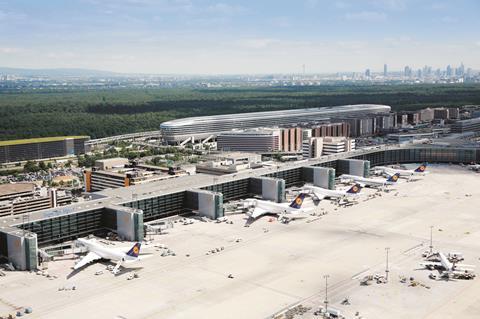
[[204, 126]]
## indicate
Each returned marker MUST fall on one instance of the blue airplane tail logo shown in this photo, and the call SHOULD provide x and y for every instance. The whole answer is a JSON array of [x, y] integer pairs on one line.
[[135, 250], [394, 178], [354, 189], [421, 168], [298, 201]]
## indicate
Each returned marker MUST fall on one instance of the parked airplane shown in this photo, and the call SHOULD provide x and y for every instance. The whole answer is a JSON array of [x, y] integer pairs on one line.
[[263, 207], [372, 182], [474, 167], [320, 193], [448, 268], [97, 251], [403, 172]]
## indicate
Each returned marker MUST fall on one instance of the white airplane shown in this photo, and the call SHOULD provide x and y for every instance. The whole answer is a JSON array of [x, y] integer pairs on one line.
[[285, 210], [320, 193], [372, 182], [474, 167], [446, 266], [403, 172], [97, 251]]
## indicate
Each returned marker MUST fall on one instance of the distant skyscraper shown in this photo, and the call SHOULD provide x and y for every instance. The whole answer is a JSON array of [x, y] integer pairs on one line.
[[385, 70], [367, 73], [469, 72], [419, 73], [407, 72], [460, 71], [427, 71], [449, 71]]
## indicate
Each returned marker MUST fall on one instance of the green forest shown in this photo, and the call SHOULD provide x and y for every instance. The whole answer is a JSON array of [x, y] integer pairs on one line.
[[100, 113]]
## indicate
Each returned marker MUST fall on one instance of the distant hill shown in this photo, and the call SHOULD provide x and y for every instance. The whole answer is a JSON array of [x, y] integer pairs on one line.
[[57, 72]]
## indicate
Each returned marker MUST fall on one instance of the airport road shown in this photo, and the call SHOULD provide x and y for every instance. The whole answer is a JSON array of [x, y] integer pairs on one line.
[[276, 266]]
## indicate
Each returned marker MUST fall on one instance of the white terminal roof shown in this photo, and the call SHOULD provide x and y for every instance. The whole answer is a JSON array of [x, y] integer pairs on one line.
[[275, 114]]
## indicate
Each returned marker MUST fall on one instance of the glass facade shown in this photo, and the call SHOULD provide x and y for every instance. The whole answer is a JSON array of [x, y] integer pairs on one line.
[[64, 228], [161, 206]]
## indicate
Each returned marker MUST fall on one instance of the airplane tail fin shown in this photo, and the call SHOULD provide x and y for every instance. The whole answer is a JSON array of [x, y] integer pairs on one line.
[[298, 201], [422, 168], [394, 178], [135, 250], [355, 189]]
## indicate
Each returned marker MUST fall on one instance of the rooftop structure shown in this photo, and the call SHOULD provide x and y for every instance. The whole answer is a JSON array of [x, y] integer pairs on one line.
[[9, 191], [253, 140], [40, 140], [23, 198], [203, 127], [471, 125], [117, 172], [229, 163]]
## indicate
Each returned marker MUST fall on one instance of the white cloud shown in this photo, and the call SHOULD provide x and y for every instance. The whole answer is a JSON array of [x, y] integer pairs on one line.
[[281, 22], [478, 43], [61, 55], [9, 50], [394, 5], [170, 6], [439, 6], [352, 45], [257, 43], [341, 5], [224, 8], [398, 41], [366, 16], [311, 3], [448, 19]]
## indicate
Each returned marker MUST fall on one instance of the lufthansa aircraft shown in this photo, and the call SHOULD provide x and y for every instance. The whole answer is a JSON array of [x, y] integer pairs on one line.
[[285, 210], [448, 268], [97, 251], [421, 170], [320, 193], [372, 182]]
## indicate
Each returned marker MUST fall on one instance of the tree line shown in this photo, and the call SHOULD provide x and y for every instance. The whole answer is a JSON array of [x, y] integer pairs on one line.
[[103, 113]]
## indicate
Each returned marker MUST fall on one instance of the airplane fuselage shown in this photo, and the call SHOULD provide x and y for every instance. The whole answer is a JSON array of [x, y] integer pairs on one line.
[[401, 172], [273, 208], [367, 181], [105, 252], [328, 193]]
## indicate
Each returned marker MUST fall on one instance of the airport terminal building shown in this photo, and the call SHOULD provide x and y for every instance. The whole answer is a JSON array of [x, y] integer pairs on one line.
[[123, 210], [204, 127], [41, 148]]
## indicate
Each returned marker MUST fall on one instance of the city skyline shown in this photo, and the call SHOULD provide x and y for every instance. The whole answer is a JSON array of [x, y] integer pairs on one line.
[[239, 37]]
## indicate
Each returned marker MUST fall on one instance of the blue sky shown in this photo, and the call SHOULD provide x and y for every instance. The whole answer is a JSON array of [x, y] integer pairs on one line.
[[220, 37]]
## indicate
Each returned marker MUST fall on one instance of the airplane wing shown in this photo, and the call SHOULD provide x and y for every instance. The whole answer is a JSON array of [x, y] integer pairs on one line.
[[90, 257], [432, 264], [257, 212], [318, 196], [464, 266]]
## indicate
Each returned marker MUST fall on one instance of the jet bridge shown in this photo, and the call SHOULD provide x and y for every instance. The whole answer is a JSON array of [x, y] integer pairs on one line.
[[128, 222], [353, 167], [268, 187], [20, 247], [319, 176], [207, 203]]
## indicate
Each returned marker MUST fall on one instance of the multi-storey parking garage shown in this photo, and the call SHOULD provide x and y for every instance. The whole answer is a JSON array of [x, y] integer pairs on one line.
[[202, 127], [125, 209]]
